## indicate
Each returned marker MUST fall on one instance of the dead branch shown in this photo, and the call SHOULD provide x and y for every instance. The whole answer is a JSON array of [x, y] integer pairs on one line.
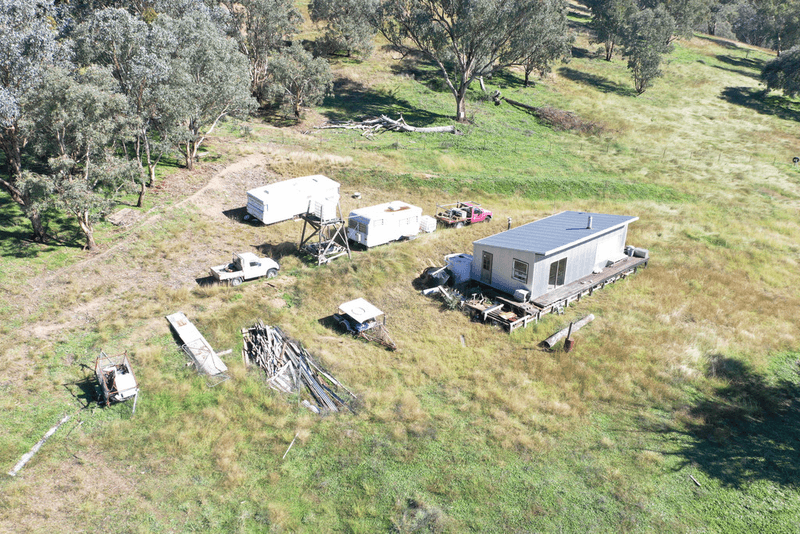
[[384, 123]]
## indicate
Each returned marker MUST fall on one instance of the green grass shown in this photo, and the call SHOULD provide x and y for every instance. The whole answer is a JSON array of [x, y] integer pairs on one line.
[[689, 368]]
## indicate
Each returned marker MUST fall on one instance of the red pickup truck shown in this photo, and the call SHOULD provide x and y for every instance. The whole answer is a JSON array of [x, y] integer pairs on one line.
[[461, 213]]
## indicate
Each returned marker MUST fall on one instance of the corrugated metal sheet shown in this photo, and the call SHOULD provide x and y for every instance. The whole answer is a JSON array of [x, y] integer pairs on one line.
[[555, 233], [196, 345]]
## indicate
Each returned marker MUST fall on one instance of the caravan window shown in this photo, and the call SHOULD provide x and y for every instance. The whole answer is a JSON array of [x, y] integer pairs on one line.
[[520, 271], [357, 226]]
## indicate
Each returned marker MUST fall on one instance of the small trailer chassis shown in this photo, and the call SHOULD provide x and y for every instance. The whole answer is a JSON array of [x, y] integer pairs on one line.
[[116, 378]]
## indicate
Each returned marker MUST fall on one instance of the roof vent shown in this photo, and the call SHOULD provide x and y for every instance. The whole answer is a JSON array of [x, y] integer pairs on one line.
[[589, 224]]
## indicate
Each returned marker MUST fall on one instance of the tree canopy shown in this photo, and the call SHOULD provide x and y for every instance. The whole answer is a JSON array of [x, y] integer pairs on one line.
[[783, 72], [297, 77], [646, 40], [465, 39], [29, 47], [347, 25]]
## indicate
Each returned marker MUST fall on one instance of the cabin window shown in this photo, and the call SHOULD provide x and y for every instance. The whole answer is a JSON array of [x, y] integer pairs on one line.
[[520, 271], [557, 271]]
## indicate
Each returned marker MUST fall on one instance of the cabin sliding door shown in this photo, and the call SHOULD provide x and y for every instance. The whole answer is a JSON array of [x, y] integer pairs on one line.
[[557, 271]]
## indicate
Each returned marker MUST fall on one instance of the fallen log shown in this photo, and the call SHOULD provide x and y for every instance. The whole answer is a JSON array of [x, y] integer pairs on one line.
[[28, 455], [574, 327], [376, 124]]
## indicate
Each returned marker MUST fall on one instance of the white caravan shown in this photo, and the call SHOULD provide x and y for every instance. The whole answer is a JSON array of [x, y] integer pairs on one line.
[[383, 223], [288, 199]]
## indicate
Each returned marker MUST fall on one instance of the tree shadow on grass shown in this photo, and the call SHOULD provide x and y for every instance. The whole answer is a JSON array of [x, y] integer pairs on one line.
[[598, 82], [763, 102], [750, 67], [16, 232], [749, 430], [725, 43], [354, 101]]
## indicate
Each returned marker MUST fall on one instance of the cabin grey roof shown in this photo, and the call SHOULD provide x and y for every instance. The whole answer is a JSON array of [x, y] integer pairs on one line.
[[560, 231]]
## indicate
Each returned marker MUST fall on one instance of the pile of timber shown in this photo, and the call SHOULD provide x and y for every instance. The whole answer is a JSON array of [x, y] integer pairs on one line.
[[290, 368], [451, 297]]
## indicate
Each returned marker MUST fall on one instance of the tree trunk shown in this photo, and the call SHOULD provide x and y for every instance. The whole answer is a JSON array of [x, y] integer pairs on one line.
[[609, 50], [39, 233], [88, 230], [142, 190], [461, 106], [189, 156]]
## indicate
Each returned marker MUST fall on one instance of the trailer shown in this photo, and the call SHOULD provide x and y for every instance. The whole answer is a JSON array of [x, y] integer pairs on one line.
[[461, 214], [376, 225], [245, 266], [289, 199], [196, 347], [116, 378], [362, 319]]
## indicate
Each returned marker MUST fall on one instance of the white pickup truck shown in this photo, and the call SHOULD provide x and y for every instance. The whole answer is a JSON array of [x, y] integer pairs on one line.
[[245, 266]]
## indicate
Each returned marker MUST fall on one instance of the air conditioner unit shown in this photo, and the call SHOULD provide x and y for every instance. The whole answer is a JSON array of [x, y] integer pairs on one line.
[[522, 295]]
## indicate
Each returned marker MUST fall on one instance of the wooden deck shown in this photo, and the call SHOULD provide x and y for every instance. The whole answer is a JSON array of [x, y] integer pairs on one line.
[[586, 285], [512, 314]]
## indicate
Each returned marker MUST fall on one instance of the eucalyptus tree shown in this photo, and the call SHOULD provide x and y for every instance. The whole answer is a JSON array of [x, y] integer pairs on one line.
[[347, 25], [79, 125], [783, 72], [686, 14], [609, 19], [720, 17], [547, 39], [29, 47], [261, 27], [138, 56], [646, 40], [465, 39], [297, 77], [782, 22], [209, 80]]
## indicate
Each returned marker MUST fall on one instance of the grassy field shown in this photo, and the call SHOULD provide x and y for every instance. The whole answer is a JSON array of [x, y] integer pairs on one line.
[[676, 412]]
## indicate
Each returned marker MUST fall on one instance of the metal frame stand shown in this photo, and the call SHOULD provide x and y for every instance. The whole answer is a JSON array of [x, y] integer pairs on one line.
[[331, 237]]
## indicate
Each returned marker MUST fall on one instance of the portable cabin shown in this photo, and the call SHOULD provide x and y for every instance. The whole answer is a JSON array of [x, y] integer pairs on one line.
[[288, 199], [383, 223], [535, 258]]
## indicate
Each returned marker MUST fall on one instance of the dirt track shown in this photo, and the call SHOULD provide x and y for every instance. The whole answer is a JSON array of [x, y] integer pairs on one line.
[[103, 277]]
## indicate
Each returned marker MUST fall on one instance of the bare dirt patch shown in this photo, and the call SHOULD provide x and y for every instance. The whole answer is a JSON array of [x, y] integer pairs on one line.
[[85, 292]]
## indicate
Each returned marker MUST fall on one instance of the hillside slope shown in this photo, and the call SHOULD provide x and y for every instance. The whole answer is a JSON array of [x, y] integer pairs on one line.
[[689, 370]]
